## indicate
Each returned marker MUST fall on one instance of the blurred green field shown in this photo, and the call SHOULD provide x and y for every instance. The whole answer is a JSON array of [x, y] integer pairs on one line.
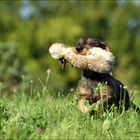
[[29, 28]]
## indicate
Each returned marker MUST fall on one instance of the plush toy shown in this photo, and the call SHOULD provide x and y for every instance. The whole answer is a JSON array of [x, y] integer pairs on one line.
[[96, 59]]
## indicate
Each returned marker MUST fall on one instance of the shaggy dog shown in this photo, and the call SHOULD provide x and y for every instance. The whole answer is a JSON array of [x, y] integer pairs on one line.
[[112, 91], [97, 85]]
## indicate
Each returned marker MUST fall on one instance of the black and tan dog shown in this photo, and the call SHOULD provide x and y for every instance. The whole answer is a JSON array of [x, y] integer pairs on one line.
[[94, 58], [112, 90]]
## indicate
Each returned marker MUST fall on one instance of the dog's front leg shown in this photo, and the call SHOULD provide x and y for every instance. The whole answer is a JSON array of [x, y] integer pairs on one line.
[[86, 96], [84, 93], [82, 106]]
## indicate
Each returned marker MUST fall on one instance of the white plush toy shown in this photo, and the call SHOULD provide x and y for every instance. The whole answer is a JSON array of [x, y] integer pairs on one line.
[[96, 59]]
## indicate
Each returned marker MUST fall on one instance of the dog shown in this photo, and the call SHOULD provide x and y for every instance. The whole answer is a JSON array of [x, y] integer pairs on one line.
[[112, 91], [97, 85]]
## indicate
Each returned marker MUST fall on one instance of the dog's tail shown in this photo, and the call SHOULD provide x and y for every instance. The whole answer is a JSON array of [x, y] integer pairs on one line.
[[135, 107], [132, 104]]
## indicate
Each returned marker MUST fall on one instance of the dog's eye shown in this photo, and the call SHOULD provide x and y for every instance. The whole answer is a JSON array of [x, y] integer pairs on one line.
[[79, 48]]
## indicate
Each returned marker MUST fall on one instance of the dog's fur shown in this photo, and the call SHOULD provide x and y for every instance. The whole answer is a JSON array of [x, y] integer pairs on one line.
[[113, 91]]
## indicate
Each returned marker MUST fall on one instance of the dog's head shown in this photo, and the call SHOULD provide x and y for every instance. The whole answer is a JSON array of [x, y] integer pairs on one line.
[[84, 44]]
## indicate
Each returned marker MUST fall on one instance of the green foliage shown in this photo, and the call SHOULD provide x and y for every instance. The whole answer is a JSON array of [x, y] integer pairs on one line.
[[11, 68], [65, 21], [98, 88]]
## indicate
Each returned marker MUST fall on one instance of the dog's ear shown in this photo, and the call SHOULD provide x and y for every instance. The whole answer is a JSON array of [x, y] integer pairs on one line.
[[102, 45]]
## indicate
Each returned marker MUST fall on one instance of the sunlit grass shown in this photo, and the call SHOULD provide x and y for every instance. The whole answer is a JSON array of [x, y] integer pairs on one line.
[[46, 117], [40, 115]]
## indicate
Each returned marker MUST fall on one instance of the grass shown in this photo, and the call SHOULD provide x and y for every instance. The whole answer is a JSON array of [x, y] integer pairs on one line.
[[43, 116], [46, 117]]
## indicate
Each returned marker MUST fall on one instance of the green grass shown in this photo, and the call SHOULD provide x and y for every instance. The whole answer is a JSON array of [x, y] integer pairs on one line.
[[47, 117]]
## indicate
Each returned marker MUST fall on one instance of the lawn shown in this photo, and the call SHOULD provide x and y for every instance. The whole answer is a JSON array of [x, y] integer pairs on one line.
[[46, 117]]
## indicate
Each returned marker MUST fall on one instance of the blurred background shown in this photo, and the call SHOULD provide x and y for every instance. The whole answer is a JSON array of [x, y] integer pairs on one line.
[[28, 28]]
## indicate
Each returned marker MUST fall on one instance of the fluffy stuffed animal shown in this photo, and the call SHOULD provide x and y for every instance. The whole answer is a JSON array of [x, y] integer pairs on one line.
[[95, 59]]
